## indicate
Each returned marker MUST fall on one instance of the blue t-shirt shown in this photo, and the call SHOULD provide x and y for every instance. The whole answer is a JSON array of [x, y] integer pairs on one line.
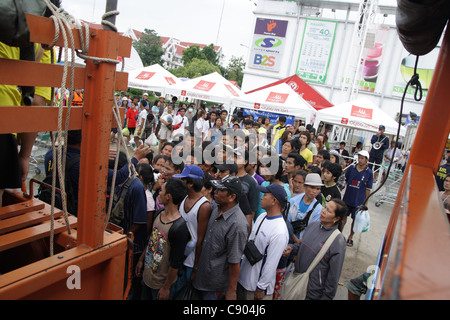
[[74, 172], [357, 183], [298, 210], [265, 184], [135, 206]]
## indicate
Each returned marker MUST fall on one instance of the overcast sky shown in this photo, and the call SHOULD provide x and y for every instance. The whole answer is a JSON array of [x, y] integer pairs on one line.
[[187, 20]]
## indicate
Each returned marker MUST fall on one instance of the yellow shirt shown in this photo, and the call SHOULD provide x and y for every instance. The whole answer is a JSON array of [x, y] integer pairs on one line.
[[45, 92], [307, 155], [9, 94]]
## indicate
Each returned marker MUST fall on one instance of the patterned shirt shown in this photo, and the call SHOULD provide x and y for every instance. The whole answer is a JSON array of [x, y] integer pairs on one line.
[[224, 244]]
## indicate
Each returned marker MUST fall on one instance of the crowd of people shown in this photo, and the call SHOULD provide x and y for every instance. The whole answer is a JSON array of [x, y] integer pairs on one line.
[[228, 206], [212, 187]]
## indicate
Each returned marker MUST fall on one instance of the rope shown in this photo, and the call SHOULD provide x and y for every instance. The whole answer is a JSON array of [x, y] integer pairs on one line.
[[414, 81], [62, 20]]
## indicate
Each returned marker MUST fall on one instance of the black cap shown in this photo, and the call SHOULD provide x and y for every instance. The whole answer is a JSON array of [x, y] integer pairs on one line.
[[231, 183], [232, 167]]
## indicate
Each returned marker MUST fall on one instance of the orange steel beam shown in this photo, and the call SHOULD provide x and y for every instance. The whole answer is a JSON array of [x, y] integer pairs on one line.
[[43, 118], [29, 73], [42, 30], [105, 263], [415, 253], [96, 131]]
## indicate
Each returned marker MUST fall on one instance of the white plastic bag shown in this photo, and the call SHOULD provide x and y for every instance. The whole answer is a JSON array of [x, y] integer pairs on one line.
[[151, 140], [362, 221]]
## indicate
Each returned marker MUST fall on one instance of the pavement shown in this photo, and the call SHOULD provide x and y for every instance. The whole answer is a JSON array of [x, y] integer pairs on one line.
[[366, 245]]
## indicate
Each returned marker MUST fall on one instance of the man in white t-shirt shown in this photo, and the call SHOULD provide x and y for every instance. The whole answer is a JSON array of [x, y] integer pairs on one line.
[[140, 124], [199, 127], [180, 123], [270, 235]]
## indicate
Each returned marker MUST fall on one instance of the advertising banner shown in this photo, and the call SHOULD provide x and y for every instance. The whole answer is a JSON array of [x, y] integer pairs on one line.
[[372, 59], [272, 116], [267, 48], [315, 50], [405, 70]]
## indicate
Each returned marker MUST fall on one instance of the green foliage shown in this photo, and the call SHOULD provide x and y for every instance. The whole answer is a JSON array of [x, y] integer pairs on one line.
[[207, 53], [195, 68], [149, 48], [235, 70]]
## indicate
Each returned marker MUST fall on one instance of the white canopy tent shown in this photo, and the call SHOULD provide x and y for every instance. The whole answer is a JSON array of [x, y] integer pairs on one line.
[[211, 87], [152, 78], [280, 99], [129, 64], [360, 114]]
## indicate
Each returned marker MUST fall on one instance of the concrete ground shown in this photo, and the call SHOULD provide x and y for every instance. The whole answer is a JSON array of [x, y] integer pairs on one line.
[[366, 246]]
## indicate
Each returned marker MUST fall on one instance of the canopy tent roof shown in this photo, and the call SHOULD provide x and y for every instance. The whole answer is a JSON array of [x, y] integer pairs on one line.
[[281, 99], [152, 78], [308, 93], [131, 63], [210, 87], [360, 114]]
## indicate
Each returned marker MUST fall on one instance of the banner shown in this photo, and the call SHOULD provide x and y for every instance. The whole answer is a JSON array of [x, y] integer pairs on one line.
[[372, 57], [268, 44], [315, 51], [272, 116], [405, 70]]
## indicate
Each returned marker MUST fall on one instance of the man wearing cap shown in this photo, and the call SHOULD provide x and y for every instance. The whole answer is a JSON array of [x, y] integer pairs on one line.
[[196, 210], [305, 207], [224, 243], [231, 169], [359, 179], [270, 235], [376, 155]]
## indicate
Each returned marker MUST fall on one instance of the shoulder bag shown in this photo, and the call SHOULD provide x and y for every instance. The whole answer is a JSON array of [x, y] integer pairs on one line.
[[251, 252], [296, 284]]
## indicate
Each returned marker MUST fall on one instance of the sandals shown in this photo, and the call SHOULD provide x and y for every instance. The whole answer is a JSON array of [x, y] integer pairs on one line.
[[349, 243]]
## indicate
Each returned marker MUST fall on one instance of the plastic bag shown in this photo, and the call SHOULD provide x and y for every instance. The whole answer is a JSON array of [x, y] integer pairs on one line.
[[188, 292], [151, 140], [126, 132], [362, 221]]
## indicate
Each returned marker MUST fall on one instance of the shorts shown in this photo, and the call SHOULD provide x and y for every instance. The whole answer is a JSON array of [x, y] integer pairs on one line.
[[9, 159], [377, 162], [164, 133], [131, 130], [358, 285], [352, 211], [139, 132]]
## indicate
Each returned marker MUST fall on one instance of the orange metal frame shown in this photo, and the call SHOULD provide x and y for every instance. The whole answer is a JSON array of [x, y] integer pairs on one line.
[[25, 223], [415, 254]]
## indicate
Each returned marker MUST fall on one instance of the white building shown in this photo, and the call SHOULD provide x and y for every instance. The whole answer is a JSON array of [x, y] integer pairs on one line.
[[173, 49], [325, 42]]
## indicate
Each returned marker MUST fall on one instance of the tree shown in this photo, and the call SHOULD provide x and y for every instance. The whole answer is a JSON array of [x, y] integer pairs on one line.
[[195, 68], [207, 53], [210, 54], [193, 52], [235, 70], [149, 48]]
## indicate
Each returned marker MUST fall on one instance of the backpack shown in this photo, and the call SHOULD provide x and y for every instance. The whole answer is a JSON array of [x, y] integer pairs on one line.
[[45, 193], [118, 209], [149, 121], [300, 225]]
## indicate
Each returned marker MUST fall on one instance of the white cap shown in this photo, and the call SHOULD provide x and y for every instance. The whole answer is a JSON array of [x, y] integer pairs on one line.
[[364, 153]]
